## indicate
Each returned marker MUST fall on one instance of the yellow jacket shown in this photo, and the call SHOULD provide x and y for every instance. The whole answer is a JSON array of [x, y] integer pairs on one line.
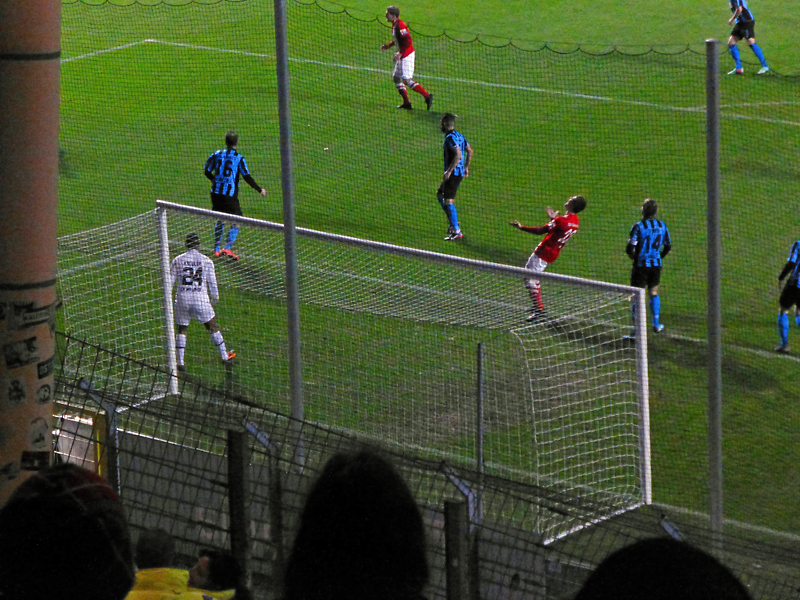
[[163, 584]]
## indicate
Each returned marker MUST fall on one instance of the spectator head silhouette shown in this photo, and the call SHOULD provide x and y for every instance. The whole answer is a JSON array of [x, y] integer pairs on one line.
[[662, 569], [155, 549], [63, 534], [361, 535]]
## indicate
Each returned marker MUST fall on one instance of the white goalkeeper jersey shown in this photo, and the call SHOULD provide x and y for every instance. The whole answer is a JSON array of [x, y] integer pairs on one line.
[[193, 274]]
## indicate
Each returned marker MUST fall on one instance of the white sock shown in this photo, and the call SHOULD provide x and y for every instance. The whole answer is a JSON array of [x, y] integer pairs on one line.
[[220, 344], [180, 347]]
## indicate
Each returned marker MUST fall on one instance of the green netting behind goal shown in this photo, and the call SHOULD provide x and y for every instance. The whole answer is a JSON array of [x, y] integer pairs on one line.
[[390, 340]]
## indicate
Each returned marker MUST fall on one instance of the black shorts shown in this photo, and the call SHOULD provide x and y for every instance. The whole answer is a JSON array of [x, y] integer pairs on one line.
[[744, 30], [790, 296], [645, 277], [449, 188], [225, 204]]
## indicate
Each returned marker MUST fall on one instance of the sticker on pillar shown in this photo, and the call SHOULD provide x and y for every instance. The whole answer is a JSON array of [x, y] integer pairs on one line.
[[8, 472], [35, 461], [21, 353], [24, 315], [45, 368], [37, 435], [15, 394], [43, 394]]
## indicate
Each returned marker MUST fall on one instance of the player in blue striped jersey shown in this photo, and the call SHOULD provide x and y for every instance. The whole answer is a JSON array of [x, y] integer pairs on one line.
[[790, 296], [457, 158], [223, 169], [744, 29], [649, 243]]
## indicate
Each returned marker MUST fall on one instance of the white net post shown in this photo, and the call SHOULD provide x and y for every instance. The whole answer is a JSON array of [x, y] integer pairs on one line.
[[644, 394], [169, 316]]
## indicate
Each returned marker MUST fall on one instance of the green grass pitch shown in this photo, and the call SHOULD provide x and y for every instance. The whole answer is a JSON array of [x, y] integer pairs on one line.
[[140, 117]]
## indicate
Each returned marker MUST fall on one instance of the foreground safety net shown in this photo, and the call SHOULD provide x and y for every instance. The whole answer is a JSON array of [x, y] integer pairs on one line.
[[390, 346], [169, 459]]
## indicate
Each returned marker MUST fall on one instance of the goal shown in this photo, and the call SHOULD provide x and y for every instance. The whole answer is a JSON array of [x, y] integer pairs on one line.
[[389, 338]]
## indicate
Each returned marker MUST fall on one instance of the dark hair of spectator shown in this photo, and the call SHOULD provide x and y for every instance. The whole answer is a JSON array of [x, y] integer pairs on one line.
[[63, 534], [155, 549], [662, 569], [361, 536]]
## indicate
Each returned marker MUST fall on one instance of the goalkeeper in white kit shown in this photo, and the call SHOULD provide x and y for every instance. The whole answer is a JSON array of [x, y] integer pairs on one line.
[[196, 279]]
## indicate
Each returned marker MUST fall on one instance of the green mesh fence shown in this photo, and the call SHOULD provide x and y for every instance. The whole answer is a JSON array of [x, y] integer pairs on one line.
[[149, 91]]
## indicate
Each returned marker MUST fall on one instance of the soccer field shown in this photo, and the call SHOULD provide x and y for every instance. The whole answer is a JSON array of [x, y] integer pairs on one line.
[[149, 94]]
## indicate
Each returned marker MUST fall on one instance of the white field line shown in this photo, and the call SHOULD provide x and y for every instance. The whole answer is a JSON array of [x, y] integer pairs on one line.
[[99, 52], [756, 351], [521, 88], [745, 526]]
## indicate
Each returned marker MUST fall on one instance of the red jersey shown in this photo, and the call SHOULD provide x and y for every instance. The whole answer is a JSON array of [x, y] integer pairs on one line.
[[402, 37], [558, 231]]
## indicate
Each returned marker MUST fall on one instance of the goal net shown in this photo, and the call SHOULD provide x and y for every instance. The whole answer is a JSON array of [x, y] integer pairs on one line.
[[389, 340]]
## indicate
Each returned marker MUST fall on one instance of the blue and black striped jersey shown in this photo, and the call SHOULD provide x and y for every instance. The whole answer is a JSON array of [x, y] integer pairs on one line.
[[224, 168], [452, 141], [746, 14], [647, 238]]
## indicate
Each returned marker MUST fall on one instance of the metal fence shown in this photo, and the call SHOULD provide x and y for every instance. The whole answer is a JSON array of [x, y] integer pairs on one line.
[[175, 460]]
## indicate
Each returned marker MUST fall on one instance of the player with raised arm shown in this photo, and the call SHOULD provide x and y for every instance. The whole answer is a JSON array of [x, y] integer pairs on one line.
[[457, 158], [744, 29], [648, 244], [790, 296], [196, 279], [223, 168], [557, 232], [404, 59]]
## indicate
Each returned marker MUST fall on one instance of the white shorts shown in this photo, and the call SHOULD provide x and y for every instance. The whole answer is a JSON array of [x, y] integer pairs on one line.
[[536, 265], [404, 68], [185, 312]]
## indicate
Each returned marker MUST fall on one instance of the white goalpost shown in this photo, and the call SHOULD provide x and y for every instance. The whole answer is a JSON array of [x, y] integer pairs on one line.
[[388, 346]]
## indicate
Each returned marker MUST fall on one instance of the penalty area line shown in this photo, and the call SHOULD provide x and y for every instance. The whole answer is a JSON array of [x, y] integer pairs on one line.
[[521, 88], [756, 351]]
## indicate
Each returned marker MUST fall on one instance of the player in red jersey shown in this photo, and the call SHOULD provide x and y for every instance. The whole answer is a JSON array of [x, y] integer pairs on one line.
[[404, 59], [556, 233]]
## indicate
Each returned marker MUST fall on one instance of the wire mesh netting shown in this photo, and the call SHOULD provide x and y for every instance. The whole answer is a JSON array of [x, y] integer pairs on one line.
[[393, 350], [168, 457], [149, 91]]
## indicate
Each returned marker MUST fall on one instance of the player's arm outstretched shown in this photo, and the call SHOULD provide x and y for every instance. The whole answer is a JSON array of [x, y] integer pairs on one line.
[[535, 230]]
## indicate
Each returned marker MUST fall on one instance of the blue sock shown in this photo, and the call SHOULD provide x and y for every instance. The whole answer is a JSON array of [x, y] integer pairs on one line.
[[783, 328], [655, 306], [797, 319], [759, 54], [734, 50], [232, 233], [452, 214], [219, 228]]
